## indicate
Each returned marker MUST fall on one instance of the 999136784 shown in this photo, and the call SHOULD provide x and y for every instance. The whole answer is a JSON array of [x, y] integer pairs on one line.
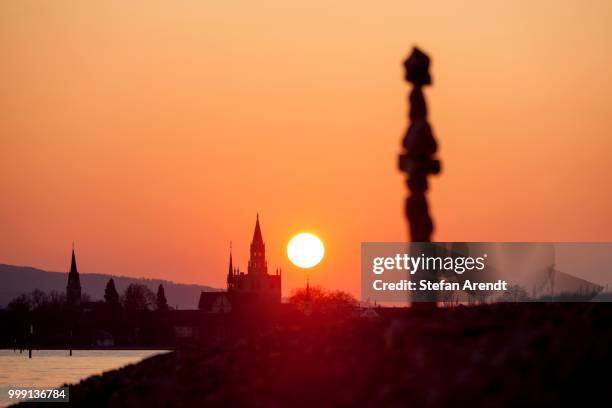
[[38, 394]]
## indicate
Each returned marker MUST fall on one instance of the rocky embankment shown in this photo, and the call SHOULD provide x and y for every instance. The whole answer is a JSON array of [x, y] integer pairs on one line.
[[495, 355]]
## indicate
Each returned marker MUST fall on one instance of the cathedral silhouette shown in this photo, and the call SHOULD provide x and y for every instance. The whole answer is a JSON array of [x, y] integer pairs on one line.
[[253, 288]]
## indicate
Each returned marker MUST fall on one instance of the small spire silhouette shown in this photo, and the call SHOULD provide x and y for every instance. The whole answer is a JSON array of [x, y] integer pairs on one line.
[[73, 265], [230, 273], [73, 288]]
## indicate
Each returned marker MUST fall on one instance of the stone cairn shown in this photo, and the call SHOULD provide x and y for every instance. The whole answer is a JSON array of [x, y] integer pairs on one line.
[[417, 160]]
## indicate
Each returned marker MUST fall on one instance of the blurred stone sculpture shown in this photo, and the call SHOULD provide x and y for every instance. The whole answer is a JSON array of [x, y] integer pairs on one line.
[[418, 158]]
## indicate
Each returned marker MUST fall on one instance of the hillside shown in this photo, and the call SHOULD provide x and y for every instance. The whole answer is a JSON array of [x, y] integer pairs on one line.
[[15, 280]]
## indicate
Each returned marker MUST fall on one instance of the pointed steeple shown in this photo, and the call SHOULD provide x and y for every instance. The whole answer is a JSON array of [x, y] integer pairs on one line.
[[257, 237], [257, 261], [231, 268], [73, 288], [73, 265], [307, 300], [230, 272]]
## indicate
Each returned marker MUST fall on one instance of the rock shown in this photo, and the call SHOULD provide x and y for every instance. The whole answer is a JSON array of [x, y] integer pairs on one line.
[[417, 68]]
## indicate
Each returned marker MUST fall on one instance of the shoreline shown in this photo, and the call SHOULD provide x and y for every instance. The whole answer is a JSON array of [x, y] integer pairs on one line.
[[91, 348], [493, 355]]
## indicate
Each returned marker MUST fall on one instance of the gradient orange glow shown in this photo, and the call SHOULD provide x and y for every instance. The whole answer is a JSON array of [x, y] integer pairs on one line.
[[152, 132]]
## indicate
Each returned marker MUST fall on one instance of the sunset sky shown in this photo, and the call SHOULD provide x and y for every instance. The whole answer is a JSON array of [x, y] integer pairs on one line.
[[151, 133]]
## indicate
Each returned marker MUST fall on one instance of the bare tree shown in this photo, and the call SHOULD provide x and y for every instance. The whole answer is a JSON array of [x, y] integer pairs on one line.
[[138, 297]]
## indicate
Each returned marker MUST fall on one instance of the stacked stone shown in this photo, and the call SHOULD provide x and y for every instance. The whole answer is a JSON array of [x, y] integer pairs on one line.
[[418, 160]]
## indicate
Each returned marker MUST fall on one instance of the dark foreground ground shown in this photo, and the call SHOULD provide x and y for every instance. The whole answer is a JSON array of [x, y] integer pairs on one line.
[[495, 355]]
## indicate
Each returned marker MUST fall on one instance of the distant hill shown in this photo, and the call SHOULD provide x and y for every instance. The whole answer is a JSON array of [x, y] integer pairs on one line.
[[15, 280]]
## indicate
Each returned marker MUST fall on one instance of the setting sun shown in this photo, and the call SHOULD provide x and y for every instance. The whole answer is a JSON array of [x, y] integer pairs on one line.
[[305, 250]]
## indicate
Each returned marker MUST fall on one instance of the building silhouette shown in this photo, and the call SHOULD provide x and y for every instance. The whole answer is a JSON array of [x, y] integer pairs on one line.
[[73, 288], [255, 287]]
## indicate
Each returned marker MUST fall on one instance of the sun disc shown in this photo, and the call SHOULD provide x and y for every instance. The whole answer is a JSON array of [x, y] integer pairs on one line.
[[305, 250]]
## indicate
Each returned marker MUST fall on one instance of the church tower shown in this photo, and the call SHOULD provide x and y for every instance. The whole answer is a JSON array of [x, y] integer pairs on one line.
[[257, 262], [255, 286], [73, 288]]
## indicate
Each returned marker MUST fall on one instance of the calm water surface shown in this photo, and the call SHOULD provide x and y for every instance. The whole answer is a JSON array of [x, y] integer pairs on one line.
[[52, 368]]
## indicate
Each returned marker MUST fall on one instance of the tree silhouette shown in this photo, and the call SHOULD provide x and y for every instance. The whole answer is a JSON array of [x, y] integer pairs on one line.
[[38, 300], [137, 297], [323, 300], [111, 296], [514, 293], [162, 303]]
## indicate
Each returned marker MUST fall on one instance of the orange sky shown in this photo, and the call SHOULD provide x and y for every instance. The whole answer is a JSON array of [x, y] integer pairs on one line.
[[152, 132]]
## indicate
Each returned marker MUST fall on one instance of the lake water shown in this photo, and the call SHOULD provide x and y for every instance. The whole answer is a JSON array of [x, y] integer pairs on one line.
[[52, 368]]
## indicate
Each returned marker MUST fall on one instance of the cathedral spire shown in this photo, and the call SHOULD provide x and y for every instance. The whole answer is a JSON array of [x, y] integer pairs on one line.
[[254, 284], [257, 261], [257, 237]]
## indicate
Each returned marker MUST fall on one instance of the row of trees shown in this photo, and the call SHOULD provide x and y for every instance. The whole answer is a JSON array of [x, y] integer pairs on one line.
[[131, 318], [324, 301], [136, 297]]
